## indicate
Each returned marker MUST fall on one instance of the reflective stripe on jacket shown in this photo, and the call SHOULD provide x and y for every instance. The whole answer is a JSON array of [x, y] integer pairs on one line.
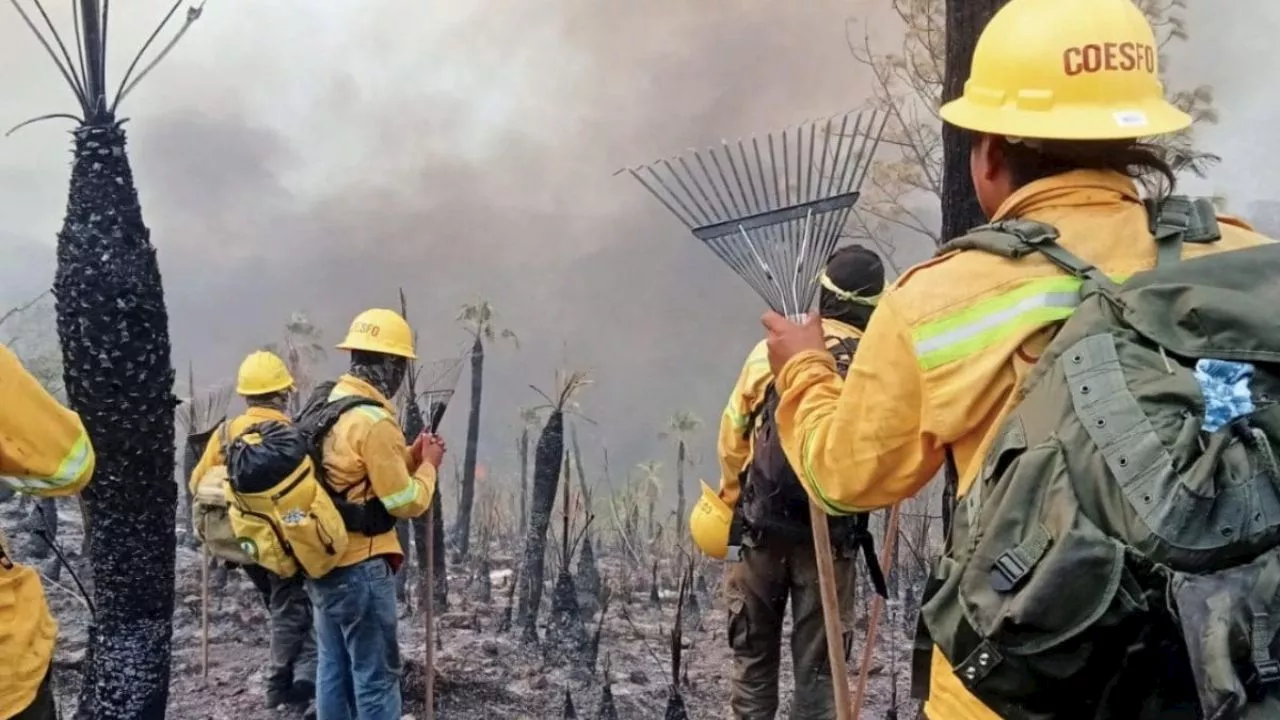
[[944, 355], [44, 450], [367, 443], [734, 445], [213, 450]]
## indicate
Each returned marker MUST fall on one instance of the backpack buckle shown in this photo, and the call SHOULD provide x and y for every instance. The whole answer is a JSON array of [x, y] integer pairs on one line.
[[1263, 675], [1007, 571]]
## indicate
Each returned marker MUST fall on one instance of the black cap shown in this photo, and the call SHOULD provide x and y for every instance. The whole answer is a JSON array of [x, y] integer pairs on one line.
[[856, 269]]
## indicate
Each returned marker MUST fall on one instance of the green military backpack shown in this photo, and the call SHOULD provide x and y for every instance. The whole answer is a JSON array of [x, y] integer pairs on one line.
[[1115, 558]]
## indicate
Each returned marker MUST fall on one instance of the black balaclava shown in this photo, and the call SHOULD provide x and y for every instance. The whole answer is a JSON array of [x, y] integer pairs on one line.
[[851, 286], [278, 401], [383, 372]]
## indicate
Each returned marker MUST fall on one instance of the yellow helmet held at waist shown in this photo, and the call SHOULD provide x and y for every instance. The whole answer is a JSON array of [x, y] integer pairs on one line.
[[262, 373], [381, 331], [709, 524], [1080, 70]]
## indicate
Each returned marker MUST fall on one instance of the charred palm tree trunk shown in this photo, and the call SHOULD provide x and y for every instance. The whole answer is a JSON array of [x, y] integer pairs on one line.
[[114, 332], [546, 473], [523, 448], [467, 493], [681, 452], [115, 348]]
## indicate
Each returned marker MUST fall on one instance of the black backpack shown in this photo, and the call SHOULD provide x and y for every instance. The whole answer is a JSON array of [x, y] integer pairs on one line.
[[773, 501], [316, 418]]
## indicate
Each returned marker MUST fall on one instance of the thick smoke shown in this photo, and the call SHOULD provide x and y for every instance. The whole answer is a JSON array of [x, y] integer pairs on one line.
[[316, 156]]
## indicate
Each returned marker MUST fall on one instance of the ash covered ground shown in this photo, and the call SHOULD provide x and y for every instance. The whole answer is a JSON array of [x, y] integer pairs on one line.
[[481, 672]]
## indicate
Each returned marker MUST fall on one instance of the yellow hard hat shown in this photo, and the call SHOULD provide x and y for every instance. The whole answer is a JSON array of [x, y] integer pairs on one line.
[[262, 373], [1082, 70], [380, 331], [709, 523]]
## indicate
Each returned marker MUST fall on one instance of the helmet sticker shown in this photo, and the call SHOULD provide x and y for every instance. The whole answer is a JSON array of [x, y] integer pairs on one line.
[[1130, 118]]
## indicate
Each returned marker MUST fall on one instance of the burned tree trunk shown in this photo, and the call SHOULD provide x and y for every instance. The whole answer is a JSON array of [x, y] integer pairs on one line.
[[467, 493], [960, 209], [522, 447], [547, 457], [681, 454], [114, 330]]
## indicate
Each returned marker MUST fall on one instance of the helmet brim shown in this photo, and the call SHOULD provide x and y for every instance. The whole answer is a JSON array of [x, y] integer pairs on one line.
[[1147, 119], [382, 349]]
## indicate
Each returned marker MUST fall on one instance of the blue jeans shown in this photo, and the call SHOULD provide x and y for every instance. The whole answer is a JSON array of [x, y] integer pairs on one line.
[[358, 674]]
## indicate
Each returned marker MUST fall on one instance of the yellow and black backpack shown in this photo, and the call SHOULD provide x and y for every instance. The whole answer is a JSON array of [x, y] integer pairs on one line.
[[282, 515], [209, 514]]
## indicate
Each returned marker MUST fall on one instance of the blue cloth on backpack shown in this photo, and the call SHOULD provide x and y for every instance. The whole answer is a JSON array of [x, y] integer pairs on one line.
[[1225, 386]]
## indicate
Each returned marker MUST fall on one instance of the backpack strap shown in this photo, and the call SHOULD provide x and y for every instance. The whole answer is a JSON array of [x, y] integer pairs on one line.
[[1179, 219], [1016, 238]]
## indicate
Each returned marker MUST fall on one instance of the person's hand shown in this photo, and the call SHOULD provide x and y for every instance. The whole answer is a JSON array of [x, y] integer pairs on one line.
[[787, 339], [415, 451], [433, 449]]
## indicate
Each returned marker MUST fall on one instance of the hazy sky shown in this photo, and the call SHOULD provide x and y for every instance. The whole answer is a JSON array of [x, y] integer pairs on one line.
[[317, 154]]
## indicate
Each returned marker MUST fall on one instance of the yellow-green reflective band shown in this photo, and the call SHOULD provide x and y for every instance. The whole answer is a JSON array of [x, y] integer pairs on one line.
[[810, 479], [69, 470], [987, 323], [373, 413], [739, 421], [845, 295], [402, 498]]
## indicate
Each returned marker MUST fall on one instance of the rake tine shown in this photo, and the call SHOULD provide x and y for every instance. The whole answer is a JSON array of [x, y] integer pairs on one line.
[[830, 225], [692, 218], [724, 180], [775, 233], [824, 187], [659, 197], [715, 189], [724, 215], [746, 170], [879, 135], [849, 170], [795, 278], [810, 193], [707, 216], [736, 258], [768, 272], [737, 179]]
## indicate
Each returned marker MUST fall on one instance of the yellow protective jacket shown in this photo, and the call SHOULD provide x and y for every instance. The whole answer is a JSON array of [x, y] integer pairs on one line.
[[734, 445], [214, 452], [947, 348], [367, 444], [45, 451]]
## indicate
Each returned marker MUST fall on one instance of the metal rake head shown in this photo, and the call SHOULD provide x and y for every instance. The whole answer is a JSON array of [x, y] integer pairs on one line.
[[772, 208], [440, 379]]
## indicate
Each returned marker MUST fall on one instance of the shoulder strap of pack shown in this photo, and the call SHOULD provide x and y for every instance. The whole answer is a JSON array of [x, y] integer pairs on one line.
[[1017, 238], [842, 350], [1179, 219]]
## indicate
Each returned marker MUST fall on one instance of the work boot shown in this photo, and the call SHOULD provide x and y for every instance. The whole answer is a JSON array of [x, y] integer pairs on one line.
[[279, 696], [304, 691]]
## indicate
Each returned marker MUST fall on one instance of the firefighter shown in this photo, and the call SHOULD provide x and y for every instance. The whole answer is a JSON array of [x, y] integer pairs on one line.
[[1059, 96], [367, 464], [777, 555], [45, 452], [265, 384]]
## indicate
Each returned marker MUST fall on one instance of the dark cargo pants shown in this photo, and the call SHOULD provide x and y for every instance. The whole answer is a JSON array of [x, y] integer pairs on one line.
[[757, 589], [293, 638], [43, 706]]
